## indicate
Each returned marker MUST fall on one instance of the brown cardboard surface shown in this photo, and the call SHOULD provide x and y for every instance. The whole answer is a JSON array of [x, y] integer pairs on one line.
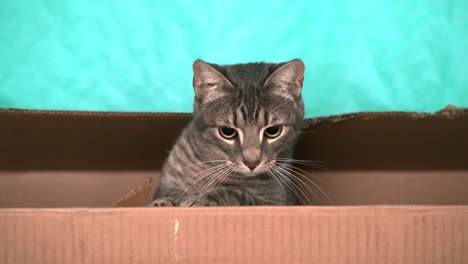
[[332, 235]]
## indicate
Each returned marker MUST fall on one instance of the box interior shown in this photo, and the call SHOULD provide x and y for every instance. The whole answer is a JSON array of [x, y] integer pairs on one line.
[[91, 159]]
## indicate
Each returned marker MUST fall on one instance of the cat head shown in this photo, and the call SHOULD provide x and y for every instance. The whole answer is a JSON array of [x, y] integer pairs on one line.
[[251, 113]]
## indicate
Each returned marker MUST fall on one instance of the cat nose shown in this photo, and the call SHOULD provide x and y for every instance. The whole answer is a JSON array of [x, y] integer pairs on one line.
[[252, 164], [251, 157]]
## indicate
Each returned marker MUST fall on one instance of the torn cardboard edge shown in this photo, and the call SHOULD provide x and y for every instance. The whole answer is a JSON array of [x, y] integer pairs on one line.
[[449, 112], [137, 196]]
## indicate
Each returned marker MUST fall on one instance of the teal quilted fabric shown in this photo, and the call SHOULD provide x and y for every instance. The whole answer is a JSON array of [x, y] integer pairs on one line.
[[137, 55]]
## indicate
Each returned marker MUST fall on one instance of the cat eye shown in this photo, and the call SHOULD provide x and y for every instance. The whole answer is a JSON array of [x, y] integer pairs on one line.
[[227, 132], [273, 131]]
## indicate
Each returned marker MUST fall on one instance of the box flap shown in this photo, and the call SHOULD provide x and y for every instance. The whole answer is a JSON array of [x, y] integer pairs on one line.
[[61, 140], [50, 158]]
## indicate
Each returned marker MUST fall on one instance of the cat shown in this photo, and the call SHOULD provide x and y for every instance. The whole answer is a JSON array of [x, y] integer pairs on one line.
[[235, 151]]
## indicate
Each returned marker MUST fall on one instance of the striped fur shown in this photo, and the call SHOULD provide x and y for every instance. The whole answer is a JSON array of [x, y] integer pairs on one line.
[[204, 169]]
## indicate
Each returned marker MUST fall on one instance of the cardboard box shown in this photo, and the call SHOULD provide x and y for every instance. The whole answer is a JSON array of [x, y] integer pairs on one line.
[[398, 185]]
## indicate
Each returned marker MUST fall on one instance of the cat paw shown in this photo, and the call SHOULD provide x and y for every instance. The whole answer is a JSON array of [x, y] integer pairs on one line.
[[191, 202], [163, 202], [196, 202]]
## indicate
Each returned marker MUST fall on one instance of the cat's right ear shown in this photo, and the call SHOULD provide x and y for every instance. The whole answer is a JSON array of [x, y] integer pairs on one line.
[[209, 83]]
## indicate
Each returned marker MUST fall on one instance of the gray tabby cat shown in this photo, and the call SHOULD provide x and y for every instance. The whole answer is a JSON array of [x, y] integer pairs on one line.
[[235, 151]]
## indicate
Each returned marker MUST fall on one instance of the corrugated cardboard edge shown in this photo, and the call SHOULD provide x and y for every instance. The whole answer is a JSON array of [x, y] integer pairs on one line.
[[362, 234], [137, 196]]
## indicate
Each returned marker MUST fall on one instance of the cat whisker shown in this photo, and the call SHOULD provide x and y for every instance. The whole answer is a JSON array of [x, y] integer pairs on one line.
[[309, 131], [214, 181], [281, 179], [210, 181], [296, 168], [293, 175], [293, 171], [212, 178], [202, 162], [227, 176], [208, 172], [233, 178], [281, 189], [218, 179], [309, 163], [306, 161], [201, 176], [298, 187]]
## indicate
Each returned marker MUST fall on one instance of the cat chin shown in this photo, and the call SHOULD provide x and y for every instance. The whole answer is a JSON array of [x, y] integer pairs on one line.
[[251, 174]]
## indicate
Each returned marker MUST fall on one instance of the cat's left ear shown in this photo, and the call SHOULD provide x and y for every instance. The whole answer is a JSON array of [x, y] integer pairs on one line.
[[287, 80], [209, 83]]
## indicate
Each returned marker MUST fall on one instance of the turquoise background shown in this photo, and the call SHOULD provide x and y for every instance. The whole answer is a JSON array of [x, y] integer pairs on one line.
[[137, 55]]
